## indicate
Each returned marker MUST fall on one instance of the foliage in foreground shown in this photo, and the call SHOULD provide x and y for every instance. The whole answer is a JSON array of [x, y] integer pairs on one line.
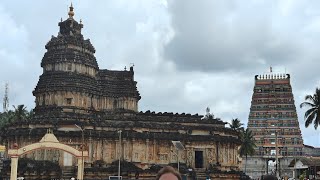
[[19, 113]]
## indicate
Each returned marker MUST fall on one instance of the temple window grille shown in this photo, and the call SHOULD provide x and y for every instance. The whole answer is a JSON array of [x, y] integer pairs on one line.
[[115, 104], [69, 67], [273, 141], [69, 101], [43, 99]]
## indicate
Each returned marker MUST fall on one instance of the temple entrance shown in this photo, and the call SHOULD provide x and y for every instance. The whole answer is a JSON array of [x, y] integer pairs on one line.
[[67, 159], [271, 166], [49, 141], [198, 159]]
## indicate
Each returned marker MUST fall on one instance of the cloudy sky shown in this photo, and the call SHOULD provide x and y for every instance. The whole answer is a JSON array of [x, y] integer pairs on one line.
[[187, 55]]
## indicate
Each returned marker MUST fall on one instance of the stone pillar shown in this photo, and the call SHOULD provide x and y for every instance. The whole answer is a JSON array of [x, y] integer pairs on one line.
[[80, 168], [102, 148], [124, 149], [147, 150], [267, 166], [14, 167], [91, 151], [154, 151], [217, 152], [117, 149], [132, 148]]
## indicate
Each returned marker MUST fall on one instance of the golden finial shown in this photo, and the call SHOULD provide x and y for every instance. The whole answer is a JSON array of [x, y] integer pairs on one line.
[[71, 13]]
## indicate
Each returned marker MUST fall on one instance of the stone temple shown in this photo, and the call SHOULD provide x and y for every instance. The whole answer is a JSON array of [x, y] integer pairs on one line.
[[74, 97], [274, 124]]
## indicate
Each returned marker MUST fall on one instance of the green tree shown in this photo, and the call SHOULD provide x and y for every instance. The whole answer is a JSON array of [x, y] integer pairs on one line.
[[30, 114], [20, 113], [313, 113], [5, 118], [247, 146], [236, 124], [303, 175]]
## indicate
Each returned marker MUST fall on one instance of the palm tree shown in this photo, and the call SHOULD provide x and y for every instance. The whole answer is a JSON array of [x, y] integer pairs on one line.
[[236, 124], [312, 114], [5, 118], [247, 146], [30, 114], [20, 113]]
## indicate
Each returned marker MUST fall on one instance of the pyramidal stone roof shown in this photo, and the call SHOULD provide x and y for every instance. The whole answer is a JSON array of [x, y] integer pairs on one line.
[[70, 47]]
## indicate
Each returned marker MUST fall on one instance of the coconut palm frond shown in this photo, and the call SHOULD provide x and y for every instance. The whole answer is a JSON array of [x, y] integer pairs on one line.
[[312, 115]]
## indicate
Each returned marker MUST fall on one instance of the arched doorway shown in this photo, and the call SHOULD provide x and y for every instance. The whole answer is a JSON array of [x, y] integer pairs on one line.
[[48, 141]]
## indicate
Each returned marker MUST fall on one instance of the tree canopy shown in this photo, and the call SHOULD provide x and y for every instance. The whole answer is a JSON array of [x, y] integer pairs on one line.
[[19, 113], [248, 145], [236, 124], [312, 115]]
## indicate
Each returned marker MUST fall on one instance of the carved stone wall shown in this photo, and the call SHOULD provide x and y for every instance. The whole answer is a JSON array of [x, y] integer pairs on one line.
[[73, 90], [71, 67], [143, 152], [85, 101]]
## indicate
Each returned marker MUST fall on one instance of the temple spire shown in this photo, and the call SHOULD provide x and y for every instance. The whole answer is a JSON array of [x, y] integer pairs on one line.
[[71, 13]]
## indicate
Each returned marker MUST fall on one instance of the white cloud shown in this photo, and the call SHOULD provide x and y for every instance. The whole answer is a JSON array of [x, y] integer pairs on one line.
[[187, 55]]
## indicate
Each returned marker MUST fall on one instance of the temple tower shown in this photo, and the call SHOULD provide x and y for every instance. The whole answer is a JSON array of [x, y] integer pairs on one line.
[[96, 110], [274, 124], [72, 81]]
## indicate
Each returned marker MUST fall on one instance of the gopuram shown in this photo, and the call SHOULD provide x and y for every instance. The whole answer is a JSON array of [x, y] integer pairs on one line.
[[275, 127], [97, 109]]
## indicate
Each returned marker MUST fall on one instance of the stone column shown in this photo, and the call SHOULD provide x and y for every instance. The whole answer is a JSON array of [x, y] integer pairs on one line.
[[102, 148], [154, 151], [124, 149], [14, 167], [127, 149], [217, 152], [235, 160], [80, 169], [147, 150], [117, 149], [91, 151], [132, 149]]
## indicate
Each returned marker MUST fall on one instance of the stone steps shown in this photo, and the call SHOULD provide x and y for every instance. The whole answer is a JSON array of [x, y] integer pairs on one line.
[[68, 172], [201, 173]]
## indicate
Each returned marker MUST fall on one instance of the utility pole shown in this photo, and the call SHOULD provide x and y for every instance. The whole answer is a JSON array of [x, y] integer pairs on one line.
[[82, 148], [6, 98], [277, 173], [120, 151], [295, 162]]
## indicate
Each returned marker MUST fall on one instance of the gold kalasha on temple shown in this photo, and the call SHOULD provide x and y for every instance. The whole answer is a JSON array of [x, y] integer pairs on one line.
[[82, 104]]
